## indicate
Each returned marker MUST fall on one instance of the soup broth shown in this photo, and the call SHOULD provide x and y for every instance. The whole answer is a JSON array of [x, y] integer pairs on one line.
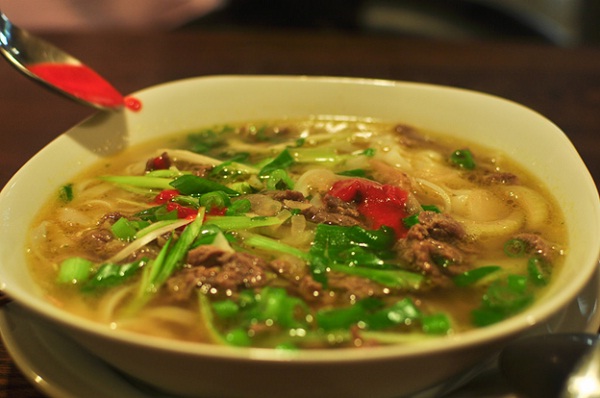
[[300, 234]]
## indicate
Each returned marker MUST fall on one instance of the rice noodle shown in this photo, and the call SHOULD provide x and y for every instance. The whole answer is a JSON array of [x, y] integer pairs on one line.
[[107, 307], [535, 206], [316, 180], [494, 228], [438, 191]]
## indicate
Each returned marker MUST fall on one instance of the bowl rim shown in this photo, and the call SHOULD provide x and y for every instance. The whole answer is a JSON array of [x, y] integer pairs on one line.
[[509, 327]]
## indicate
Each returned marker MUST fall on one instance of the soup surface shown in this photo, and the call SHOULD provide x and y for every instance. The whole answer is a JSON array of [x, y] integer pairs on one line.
[[299, 234]]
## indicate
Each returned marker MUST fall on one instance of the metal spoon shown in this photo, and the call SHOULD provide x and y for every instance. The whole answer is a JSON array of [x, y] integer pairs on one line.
[[554, 365], [55, 69]]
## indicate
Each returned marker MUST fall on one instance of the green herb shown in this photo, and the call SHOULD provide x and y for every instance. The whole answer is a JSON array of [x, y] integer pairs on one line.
[[278, 179], [282, 161], [463, 158], [369, 152], [411, 220], [208, 139], [372, 314], [66, 193], [502, 299]]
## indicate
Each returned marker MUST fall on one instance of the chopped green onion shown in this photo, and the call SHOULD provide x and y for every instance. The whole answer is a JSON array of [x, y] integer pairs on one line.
[[123, 229], [539, 271], [238, 338], [228, 223], [282, 161], [353, 173], [194, 185], [279, 179], [502, 299], [391, 278], [110, 274], [140, 181], [436, 324], [369, 152], [216, 199], [432, 208], [470, 277], [74, 270], [515, 248], [463, 158], [225, 309], [411, 220], [264, 243], [177, 254], [239, 207]]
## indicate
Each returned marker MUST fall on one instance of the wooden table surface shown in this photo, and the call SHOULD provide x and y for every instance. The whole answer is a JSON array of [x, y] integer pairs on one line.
[[563, 84]]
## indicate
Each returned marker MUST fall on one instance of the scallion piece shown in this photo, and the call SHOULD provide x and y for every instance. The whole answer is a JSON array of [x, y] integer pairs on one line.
[[539, 271], [229, 223], [216, 199], [74, 270], [282, 161], [515, 248], [471, 277], [140, 181], [436, 324], [194, 185], [279, 179], [123, 229]]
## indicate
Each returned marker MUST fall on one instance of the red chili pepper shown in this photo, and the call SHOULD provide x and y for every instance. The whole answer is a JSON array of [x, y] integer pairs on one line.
[[166, 196], [160, 163], [217, 211], [182, 211], [381, 204]]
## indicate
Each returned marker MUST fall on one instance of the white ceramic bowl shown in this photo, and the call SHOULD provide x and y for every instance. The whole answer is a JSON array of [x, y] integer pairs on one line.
[[213, 371]]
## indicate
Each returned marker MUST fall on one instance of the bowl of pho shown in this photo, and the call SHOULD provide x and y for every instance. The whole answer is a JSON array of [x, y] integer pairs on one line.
[[292, 236]]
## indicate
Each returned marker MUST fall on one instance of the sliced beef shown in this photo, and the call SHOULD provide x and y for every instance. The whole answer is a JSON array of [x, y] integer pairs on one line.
[[435, 247], [287, 194], [289, 268], [437, 226], [411, 137], [99, 244], [433, 257], [491, 177], [335, 211], [538, 245], [209, 268], [354, 287]]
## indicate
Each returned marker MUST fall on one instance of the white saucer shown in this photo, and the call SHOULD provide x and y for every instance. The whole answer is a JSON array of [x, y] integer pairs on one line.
[[60, 368]]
